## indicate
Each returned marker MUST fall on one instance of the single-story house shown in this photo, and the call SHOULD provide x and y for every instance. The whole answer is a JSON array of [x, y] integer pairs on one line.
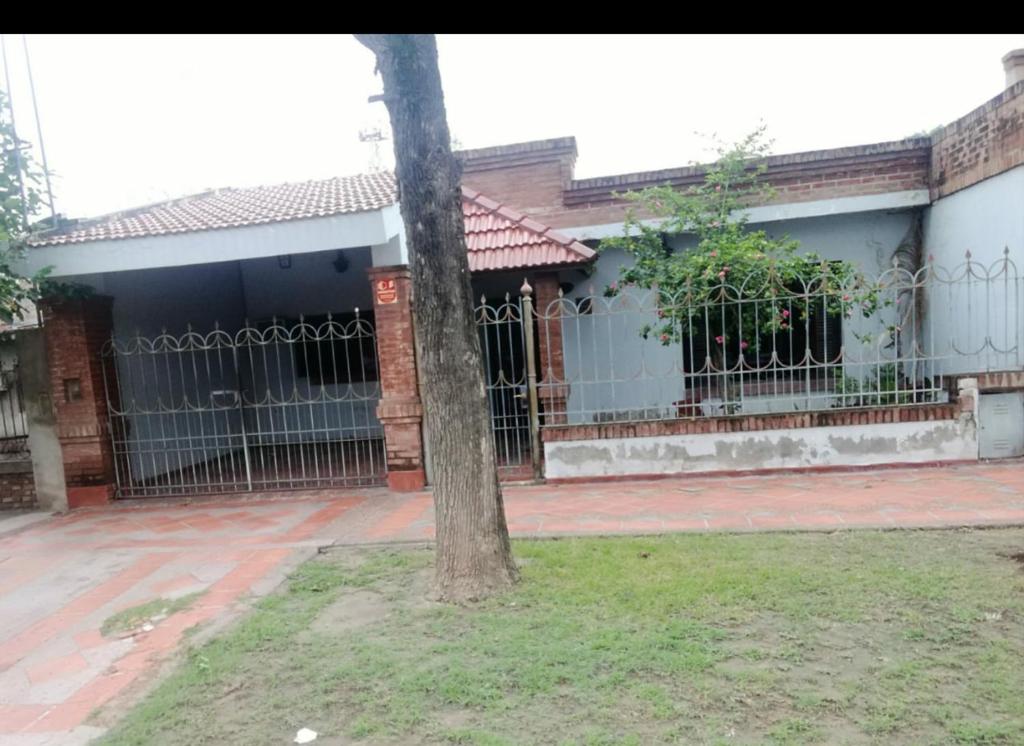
[[261, 339]]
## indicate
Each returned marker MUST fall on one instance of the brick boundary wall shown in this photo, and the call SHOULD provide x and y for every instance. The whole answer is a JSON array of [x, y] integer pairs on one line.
[[797, 177], [17, 486], [986, 142], [532, 176], [539, 181], [753, 423], [1008, 380], [537, 177]]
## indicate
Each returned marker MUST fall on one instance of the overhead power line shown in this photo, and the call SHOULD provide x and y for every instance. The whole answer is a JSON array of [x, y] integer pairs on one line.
[[14, 131], [39, 131]]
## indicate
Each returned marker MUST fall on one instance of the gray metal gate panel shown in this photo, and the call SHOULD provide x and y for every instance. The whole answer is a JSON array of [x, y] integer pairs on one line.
[[276, 406], [503, 346], [1001, 425]]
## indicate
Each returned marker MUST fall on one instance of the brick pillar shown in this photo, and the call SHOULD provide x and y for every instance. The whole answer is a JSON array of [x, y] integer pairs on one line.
[[75, 330], [399, 410], [552, 389]]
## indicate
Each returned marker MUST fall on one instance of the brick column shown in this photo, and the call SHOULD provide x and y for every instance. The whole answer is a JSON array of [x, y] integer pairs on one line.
[[75, 330], [552, 389], [399, 410]]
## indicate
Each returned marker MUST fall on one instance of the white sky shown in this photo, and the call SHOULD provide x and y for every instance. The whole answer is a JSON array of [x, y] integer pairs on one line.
[[130, 120]]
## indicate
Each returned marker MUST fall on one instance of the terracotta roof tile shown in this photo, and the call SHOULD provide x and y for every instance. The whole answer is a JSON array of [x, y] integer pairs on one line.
[[233, 208], [497, 236]]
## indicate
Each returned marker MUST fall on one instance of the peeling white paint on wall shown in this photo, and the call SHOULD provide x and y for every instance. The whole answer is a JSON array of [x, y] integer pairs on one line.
[[862, 445]]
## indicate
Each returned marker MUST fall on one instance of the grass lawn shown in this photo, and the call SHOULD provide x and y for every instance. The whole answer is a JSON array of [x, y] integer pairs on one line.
[[844, 638]]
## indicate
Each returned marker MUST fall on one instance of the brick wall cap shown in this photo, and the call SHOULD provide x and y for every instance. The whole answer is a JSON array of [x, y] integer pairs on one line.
[[397, 270], [555, 145], [750, 422], [867, 153]]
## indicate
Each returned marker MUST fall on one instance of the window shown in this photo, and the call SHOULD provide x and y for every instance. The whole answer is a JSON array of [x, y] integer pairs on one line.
[[347, 354], [826, 339], [826, 332]]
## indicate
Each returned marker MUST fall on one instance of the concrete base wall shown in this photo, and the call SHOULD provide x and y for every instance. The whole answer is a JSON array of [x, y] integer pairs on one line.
[[859, 445], [43, 443]]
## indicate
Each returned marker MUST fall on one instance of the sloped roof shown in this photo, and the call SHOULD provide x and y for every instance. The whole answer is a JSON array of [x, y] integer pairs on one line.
[[500, 238], [233, 208]]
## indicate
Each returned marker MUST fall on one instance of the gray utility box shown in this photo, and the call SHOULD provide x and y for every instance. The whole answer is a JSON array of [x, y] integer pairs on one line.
[[1001, 425]]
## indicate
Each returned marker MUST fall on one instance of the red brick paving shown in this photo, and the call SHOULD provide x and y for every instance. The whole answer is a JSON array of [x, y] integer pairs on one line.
[[56, 668], [972, 495], [63, 666], [62, 577]]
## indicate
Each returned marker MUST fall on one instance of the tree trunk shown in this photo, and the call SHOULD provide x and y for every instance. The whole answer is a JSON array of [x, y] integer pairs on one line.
[[474, 557]]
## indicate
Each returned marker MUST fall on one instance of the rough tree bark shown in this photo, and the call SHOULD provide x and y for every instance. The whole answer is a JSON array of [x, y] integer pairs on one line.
[[474, 557]]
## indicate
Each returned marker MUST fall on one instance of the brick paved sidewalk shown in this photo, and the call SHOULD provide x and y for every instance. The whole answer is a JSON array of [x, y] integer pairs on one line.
[[974, 495]]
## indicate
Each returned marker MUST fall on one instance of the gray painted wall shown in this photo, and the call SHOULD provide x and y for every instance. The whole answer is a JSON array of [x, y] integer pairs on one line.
[[984, 218], [985, 321]]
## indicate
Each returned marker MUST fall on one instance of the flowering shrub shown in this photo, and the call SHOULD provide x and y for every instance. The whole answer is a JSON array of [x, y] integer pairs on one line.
[[738, 286]]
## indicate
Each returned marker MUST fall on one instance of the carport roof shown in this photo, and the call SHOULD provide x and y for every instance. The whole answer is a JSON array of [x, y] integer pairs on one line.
[[498, 237], [234, 208]]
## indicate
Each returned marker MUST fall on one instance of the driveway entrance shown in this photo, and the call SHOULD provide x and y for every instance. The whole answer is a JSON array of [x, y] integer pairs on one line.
[[280, 405]]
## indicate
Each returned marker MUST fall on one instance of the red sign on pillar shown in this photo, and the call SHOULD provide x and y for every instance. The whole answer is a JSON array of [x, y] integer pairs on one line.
[[387, 292]]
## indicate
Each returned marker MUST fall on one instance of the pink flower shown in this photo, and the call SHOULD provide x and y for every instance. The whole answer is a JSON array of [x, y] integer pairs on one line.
[[664, 338], [722, 274], [846, 297], [714, 253], [614, 286], [720, 339], [718, 188], [785, 313], [744, 345]]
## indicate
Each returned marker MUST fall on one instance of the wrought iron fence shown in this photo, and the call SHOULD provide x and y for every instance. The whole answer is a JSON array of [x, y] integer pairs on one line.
[[13, 422], [900, 338], [285, 404]]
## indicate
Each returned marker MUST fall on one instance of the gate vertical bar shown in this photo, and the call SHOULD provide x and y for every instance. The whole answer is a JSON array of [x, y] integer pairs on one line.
[[240, 399], [119, 478], [531, 378]]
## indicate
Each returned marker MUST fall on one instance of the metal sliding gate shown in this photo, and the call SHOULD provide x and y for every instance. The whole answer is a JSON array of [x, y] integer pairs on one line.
[[280, 405]]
